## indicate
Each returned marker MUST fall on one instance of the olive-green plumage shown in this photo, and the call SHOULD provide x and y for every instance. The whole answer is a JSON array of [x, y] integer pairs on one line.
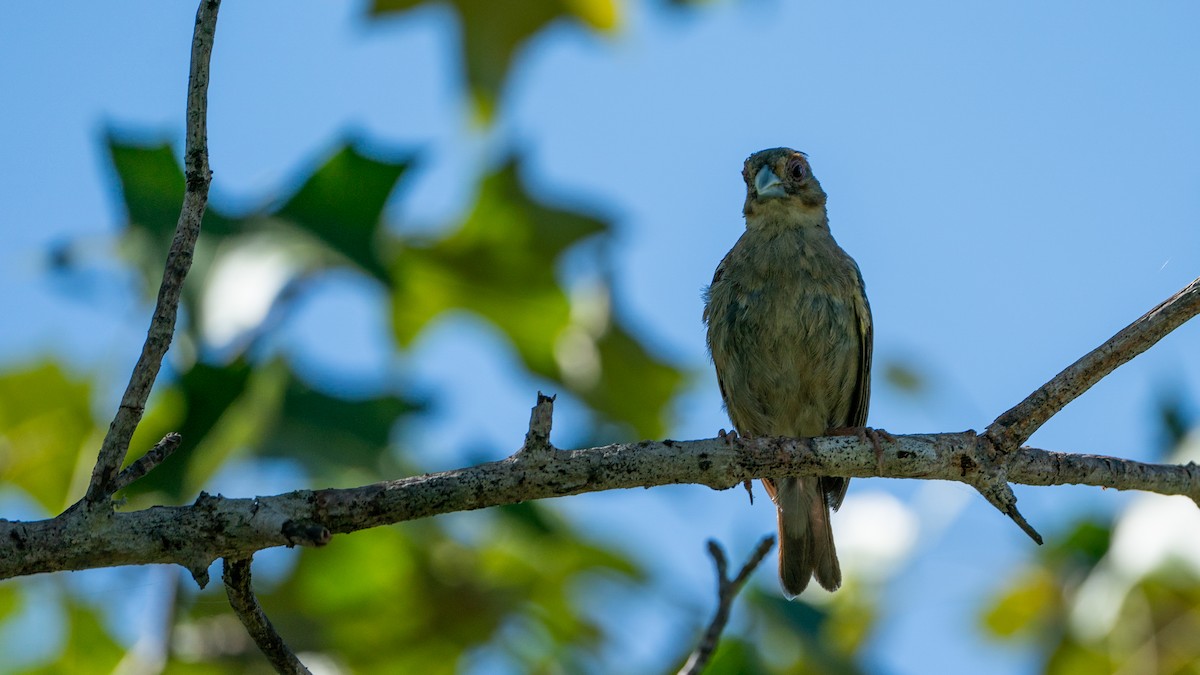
[[789, 330]]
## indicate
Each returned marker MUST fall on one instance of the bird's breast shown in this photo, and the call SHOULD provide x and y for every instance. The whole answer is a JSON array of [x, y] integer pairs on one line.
[[783, 332]]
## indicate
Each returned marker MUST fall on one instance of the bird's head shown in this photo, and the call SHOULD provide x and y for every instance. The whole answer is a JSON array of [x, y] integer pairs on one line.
[[780, 187]]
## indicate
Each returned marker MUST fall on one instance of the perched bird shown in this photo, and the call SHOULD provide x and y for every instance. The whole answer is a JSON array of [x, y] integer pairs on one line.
[[789, 330]]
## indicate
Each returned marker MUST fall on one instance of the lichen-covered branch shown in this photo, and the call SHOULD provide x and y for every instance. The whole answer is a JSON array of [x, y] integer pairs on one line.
[[179, 261], [217, 527]]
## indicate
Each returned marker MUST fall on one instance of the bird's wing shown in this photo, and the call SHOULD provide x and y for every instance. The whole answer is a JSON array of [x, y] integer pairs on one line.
[[835, 487], [866, 337]]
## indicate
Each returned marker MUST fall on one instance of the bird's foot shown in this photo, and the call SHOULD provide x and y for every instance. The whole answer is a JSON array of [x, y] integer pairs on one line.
[[731, 438], [875, 437]]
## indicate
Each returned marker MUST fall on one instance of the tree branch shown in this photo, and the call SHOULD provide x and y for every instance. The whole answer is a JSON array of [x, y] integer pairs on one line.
[[250, 613], [179, 261], [1016, 426], [146, 463], [537, 439], [218, 527], [727, 590]]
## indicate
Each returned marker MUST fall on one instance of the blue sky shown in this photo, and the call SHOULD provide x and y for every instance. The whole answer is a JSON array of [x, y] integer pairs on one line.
[[1016, 181]]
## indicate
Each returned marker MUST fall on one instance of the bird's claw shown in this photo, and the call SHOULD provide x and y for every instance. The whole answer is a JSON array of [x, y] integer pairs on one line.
[[875, 437], [731, 437]]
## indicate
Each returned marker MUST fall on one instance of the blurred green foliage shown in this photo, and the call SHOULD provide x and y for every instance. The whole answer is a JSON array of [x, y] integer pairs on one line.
[[1146, 620], [412, 598]]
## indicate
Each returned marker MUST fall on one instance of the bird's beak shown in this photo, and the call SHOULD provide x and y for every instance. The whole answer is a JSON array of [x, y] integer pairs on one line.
[[767, 184]]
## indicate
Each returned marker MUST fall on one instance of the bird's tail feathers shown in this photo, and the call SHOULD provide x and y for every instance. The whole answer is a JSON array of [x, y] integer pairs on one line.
[[805, 537]]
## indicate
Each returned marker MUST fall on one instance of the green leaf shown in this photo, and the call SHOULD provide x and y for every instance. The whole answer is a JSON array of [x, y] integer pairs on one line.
[[201, 406], [151, 181], [412, 599], [499, 264], [342, 205], [735, 657], [46, 431], [635, 386], [152, 185], [11, 600], [493, 32], [330, 434], [1028, 603]]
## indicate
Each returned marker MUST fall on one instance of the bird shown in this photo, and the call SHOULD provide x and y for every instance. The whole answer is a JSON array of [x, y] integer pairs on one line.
[[790, 334]]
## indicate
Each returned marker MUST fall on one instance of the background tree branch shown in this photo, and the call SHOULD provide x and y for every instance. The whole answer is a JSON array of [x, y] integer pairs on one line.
[[241, 597], [727, 590]]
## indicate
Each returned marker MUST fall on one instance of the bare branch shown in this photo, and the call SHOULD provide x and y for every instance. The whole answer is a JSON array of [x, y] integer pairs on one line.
[[1000, 495], [250, 613], [179, 261], [146, 463], [217, 527], [727, 590], [1016, 426], [537, 440]]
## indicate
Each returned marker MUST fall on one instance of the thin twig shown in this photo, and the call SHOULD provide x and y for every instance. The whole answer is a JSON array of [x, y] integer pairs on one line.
[[1015, 427], [250, 613], [146, 463], [179, 261], [1000, 495], [727, 590]]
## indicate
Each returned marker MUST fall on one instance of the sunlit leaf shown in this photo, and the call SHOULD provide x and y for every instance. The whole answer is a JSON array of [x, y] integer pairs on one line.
[[45, 425], [411, 599], [493, 33], [500, 264], [10, 600], [1024, 606]]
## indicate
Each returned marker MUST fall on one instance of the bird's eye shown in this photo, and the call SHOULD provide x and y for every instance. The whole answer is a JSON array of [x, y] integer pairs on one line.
[[797, 169]]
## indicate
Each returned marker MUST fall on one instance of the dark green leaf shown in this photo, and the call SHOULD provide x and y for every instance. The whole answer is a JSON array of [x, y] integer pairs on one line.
[[151, 182], [195, 406], [342, 205], [635, 386], [326, 432], [735, 657]]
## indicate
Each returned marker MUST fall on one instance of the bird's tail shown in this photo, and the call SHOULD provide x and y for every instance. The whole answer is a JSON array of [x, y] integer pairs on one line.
[[805, 536]]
